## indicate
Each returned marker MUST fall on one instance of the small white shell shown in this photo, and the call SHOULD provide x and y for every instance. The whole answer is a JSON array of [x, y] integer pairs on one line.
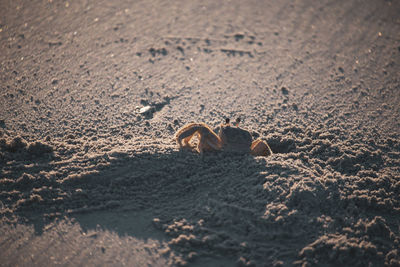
[[145, 109]]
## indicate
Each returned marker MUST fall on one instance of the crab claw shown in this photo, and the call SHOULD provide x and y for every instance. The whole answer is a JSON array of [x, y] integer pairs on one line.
[[260, 148]]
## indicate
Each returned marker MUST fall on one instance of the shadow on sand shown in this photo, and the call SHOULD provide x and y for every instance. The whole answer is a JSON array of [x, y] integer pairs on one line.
[[164, 196]]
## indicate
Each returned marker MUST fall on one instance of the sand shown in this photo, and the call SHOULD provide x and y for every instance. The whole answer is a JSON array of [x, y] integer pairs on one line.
[[92, 93]]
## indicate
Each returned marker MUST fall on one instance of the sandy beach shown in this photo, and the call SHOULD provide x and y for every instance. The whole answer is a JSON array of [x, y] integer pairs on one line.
[[93, 92]]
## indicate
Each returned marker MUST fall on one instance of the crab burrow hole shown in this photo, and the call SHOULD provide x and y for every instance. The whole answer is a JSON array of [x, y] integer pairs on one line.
[[278, 143], [281, 145]]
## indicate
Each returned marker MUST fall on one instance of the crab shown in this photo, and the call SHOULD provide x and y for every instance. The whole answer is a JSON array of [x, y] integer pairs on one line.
[[229, 138]]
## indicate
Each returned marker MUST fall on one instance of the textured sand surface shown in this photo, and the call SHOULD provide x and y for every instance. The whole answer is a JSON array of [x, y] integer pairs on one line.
[[90, 176]]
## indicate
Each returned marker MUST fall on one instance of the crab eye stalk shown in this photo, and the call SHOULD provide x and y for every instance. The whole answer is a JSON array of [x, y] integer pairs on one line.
[[227, 120], [237, 121]]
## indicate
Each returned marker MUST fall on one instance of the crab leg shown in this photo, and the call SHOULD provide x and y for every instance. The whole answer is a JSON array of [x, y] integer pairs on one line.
[[184, 135], [185, 141], [208, 140]]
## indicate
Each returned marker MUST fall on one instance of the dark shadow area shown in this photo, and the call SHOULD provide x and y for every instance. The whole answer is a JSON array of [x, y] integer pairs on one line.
[[135, 223], [211, 204], [142, 195]]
